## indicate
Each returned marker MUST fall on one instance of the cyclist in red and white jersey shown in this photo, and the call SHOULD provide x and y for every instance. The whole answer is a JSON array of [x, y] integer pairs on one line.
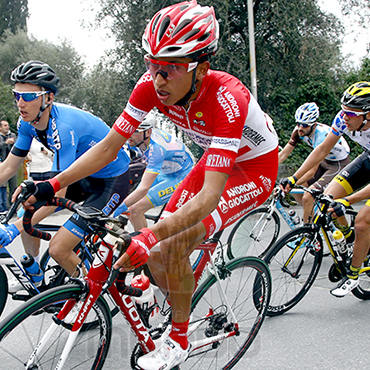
[[235, 175]]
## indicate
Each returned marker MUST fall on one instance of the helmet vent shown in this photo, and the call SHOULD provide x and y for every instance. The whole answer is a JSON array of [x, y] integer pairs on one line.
[[154, 25], [166, 22], [182, 25]]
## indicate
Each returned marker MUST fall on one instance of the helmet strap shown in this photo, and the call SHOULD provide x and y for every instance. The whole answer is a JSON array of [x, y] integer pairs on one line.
[[364, 122], [145, 136], [186, 98], [43, 107]]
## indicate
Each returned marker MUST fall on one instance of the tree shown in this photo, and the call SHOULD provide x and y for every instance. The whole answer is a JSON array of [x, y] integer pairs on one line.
[[18, 48], [13, 15]]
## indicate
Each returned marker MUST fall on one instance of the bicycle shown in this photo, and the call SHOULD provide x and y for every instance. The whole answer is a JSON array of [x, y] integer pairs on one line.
[[257, 231], [54, 275], [228, 309], [296, 258]]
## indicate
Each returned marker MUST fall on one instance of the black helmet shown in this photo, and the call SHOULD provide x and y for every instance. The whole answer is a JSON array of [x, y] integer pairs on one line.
[[36, 73], [357, 96]]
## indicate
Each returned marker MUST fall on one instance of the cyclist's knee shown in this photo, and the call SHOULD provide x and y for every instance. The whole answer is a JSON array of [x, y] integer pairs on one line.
[[58, 250]]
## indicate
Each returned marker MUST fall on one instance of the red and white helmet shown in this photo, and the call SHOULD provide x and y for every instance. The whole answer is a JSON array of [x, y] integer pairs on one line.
[[182, 30]]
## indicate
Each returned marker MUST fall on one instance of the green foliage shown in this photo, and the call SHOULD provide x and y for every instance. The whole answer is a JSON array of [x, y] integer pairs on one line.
[[13, 15], [8, 109]]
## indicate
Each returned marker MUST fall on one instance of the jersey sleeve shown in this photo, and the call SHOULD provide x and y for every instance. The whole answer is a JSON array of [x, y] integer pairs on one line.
[[141, 102], [338, 125]]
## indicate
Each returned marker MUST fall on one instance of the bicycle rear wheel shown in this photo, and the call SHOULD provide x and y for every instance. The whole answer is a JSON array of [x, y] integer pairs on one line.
[[22, 331], [3, 289], [238, 282], [293, 274], [253, 234]]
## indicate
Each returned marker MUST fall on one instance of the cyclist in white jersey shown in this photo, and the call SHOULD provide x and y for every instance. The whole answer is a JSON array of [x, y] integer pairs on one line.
[[168, 162], [354, 121], [313, 133]]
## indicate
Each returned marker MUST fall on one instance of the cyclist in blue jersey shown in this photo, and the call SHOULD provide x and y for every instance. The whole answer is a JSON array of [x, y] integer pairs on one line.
[[351, 185], [68, 132], [313, 134], [168, 162]]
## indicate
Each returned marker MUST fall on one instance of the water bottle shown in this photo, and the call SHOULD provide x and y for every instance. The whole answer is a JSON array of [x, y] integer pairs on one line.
[[33, 269], [295, 218], [340, 242], [147, 300]]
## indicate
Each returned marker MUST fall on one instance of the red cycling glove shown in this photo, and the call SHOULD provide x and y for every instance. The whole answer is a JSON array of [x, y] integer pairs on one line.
[[139, 249]]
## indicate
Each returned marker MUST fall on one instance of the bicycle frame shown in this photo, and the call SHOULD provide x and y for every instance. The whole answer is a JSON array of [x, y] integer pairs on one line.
[[95, 284]]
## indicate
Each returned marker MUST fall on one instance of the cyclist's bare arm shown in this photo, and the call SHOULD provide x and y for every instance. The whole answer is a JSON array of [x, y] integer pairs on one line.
[[285, 153], [9, 167], [142, 190], [90, 162], [317, 155]]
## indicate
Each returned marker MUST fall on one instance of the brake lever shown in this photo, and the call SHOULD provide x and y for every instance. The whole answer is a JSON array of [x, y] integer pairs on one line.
[[28, 189], [122, 244]]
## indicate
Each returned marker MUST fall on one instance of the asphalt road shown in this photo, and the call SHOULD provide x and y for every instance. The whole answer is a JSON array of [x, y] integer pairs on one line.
[[321, 332]]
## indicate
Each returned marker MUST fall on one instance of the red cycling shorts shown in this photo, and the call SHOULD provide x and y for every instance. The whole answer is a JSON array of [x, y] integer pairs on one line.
[[248, 186]]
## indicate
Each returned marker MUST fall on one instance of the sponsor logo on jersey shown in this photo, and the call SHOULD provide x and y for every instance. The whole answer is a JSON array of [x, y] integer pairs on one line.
[[228, 104], [253, 136], [220, 161], [124, 126], [225, 143]]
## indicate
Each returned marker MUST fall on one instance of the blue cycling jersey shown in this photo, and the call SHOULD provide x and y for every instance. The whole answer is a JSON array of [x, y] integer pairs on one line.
[[70, 133], [165, 154]]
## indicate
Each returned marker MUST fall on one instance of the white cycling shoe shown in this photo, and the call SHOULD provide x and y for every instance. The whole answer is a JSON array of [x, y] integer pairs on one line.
[[345, 287], [169, 355], [15, 286]]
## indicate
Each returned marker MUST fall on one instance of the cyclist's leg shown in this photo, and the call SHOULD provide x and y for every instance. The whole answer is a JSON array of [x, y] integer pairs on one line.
[[362, 241], [350, 179], [104, 194], [325, 173]]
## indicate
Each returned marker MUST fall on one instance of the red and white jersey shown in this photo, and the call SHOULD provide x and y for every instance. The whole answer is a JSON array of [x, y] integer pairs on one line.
[[225, 119]]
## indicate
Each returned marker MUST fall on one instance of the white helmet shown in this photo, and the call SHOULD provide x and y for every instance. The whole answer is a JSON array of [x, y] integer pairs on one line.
[[148, 122], [307, 113]]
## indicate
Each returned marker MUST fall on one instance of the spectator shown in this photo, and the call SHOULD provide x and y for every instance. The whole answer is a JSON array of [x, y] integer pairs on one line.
[[7, 140], [40, 161]]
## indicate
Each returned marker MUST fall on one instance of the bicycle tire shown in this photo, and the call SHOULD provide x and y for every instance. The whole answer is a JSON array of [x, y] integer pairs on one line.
[[22, 330], [3, 289], [241, 241], [238, 280], [59, 275], [287, 289]]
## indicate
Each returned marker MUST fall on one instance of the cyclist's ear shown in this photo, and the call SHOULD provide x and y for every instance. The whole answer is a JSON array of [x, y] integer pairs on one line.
[[50, 98]]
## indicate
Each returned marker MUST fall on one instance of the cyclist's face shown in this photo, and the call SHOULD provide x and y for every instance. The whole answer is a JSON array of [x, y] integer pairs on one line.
[[28, 110], [304, 131], [170, 91], [136, 138], [353, 123]]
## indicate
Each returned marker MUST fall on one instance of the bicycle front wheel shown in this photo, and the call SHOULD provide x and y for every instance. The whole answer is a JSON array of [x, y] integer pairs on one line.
[[211, 316], [253, 234], [294, 263], [23, 333], [3, 289]]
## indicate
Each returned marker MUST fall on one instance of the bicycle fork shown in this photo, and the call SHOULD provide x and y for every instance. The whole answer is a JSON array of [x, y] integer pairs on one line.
[[196, 345]]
